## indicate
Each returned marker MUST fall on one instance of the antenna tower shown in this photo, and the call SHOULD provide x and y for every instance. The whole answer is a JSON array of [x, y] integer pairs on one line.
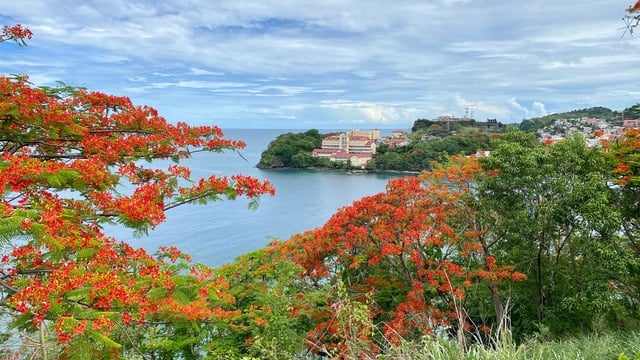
[[468, 112]]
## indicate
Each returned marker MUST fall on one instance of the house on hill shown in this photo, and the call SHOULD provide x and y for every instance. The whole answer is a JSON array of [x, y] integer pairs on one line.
[[490, 125], [631, 123], [398, 138]]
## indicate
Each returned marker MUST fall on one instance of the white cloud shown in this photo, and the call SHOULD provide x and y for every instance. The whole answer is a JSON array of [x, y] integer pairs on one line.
[[370, 113], [112, 59], [520, 111], [539, 108], [401, 60], [197, 71]]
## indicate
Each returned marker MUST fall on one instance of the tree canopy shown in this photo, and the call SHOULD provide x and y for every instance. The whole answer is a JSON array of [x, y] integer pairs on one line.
[[292, 150], [73, 160], [420, 154]]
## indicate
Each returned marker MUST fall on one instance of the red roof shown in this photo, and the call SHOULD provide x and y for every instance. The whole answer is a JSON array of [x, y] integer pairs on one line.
[[359, 138], [331, 137], [323, 151]]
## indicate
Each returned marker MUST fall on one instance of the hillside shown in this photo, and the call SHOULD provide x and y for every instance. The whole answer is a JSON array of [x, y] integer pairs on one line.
[[533, 124]]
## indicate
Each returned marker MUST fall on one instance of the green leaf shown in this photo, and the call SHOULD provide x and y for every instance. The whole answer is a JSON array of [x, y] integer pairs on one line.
[[85, 253], [77, 294], [157, 293], [104, 340], [181, 296], [253, 204]]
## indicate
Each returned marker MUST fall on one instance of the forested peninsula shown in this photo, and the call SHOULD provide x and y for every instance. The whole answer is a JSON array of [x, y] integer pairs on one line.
[[294, 150]]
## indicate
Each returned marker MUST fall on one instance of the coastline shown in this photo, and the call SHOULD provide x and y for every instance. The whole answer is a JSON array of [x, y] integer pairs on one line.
[[346, 171]]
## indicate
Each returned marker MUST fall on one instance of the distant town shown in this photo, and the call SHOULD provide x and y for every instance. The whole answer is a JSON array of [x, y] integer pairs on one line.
[[594, 130]]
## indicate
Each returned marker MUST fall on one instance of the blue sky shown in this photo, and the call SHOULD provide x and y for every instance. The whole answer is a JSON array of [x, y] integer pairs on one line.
[[333, 63]]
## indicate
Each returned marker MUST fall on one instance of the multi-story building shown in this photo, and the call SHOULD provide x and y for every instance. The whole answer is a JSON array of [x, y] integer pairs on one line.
[[361, 145], [356, 146], [335, 142], [371, 134]]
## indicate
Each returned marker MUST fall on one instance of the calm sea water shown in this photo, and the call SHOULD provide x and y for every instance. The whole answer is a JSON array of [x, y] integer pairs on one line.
[[220, 231]]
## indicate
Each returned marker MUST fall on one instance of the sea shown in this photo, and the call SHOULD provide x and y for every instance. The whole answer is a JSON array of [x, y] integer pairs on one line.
[[220, 231]]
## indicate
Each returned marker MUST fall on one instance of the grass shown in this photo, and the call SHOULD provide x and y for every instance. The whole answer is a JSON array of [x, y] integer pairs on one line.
[[617, 346]]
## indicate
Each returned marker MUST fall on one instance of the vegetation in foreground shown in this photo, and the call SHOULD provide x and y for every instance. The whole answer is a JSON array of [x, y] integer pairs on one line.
[[501, 256], [621, 346], [533, 233]]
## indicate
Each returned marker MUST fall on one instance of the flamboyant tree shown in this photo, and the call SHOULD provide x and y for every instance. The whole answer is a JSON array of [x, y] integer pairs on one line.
[[73, 160], [632, 19], [623, 154], [407, 256]]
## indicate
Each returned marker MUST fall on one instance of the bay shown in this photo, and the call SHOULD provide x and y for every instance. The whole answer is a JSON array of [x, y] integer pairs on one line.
[[220, 231]]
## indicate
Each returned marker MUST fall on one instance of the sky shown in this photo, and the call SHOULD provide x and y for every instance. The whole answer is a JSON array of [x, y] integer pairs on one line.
[[333, 64]]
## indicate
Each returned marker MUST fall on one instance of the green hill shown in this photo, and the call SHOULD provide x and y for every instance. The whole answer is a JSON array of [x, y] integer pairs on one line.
[[533, 124], [292, 150]]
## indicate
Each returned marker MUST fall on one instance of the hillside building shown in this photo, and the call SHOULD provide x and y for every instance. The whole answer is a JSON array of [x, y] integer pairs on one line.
[[355, 146], [397, 139]]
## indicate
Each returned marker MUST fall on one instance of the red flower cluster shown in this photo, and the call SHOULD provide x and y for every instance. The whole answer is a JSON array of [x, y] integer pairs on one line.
[[16, 33]]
